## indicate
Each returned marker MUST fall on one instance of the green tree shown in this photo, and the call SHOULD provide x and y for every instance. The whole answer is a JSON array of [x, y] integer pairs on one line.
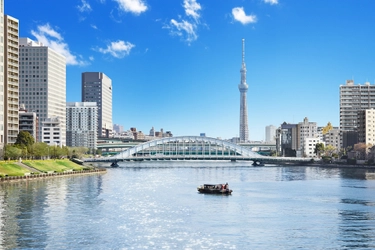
[[24, 139], [40, 150], [319, 148], [329, 150], [12, 152]]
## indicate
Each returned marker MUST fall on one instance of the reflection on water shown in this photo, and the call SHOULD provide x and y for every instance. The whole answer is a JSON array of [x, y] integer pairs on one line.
[[156, 205]]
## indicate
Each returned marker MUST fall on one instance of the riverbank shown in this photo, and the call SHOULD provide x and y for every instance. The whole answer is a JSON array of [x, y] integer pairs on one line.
[[36, 169]]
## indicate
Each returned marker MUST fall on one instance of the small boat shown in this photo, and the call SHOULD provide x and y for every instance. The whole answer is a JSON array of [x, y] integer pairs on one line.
[[214, 189]]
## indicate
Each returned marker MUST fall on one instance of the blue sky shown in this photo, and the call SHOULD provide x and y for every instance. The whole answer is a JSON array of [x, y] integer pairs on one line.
[[175, 64]]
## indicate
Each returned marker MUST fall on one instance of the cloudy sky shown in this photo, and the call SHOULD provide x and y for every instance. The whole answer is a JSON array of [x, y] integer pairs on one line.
[[175, 64]]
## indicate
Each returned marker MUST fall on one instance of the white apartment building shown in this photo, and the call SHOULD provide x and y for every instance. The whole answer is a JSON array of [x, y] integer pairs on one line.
[[352, 99], [366, 126], [309, 145], [52, 131], [11, 87], [43, 83], [306, 129], [82, 124], [97, 87], [271, 134]]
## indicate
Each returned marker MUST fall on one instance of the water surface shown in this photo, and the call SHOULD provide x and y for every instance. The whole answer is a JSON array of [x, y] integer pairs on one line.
[[155, 205]]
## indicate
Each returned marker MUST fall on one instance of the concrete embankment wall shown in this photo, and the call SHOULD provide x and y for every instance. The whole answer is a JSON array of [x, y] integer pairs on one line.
[[51, 175]]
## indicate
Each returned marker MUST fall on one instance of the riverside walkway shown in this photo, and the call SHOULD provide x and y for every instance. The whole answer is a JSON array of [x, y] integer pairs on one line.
[[193, 148]]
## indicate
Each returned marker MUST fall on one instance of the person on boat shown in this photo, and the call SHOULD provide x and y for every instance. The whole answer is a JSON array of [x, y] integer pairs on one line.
[[226, 186]]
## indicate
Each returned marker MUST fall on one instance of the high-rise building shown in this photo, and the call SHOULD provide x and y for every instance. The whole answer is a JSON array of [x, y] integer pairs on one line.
[[11, 87], [271, 134], [2, 76], [244, 128], [97, 87], [352, 99], [43, 83], [82, 124]]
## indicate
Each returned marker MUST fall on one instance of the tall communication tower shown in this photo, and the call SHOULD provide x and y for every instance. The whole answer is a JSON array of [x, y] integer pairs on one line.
[[244, 128]]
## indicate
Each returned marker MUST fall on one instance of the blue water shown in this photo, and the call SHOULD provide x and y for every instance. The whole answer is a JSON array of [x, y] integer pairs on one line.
[[155, 205]]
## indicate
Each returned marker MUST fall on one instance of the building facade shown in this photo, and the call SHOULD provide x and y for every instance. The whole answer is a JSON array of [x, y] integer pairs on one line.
[[306, 129], [366, 126], [52, 131], [244, 127], [286, 140], [11, 84], [43, 84], [28, 121], [333, 137], [271, 134], [97, 87], [309, 145], [2, 82], [352, 99], [82, 124]]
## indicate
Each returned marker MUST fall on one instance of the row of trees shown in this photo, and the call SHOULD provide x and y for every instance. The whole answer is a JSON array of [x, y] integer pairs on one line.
[[25, 147]]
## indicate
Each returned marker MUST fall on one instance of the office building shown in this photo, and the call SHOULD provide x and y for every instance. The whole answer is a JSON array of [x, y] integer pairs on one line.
[[43, 84], [244, 127], [11, 87], [97, 87], [82, 124], [271, 134]]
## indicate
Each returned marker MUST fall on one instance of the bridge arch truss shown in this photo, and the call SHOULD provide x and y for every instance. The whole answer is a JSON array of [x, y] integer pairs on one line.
[[186, 147]]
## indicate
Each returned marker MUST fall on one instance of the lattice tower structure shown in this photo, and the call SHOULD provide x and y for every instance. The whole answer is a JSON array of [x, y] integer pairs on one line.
[[244, 127]]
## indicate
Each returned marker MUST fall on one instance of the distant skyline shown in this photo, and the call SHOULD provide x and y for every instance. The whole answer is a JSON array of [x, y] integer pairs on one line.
[[176, 64]]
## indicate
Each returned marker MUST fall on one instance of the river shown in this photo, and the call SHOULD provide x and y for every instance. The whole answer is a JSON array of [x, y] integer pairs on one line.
[[155, 205]]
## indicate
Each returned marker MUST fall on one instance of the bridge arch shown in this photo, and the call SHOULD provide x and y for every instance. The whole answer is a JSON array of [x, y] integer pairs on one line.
[[187, 145]]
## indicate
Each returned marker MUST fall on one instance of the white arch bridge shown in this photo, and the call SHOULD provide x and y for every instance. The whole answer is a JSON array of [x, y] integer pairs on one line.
[[192, 148]]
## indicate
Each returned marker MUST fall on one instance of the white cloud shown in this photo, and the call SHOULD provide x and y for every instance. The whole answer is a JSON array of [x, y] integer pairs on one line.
[[192, 8], [240, 15], [272, 2], [183, 29], [51, 38], [84, 7], [134, 6], [94, 26], [118, 49], [186, 28]]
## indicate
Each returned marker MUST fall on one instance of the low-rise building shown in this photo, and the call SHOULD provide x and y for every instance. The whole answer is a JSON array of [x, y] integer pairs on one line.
[[52, 131]]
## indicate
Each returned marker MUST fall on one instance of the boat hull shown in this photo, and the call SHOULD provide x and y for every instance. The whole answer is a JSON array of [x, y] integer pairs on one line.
[[214, 191]]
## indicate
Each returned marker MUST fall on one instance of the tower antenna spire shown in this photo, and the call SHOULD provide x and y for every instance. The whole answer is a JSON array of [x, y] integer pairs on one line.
[[243, 50]]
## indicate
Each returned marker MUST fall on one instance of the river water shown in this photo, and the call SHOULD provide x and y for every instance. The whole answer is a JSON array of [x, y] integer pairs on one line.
[[155, 205]]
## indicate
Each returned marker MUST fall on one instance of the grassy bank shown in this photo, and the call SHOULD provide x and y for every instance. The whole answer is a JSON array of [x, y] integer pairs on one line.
[[14, 168]]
